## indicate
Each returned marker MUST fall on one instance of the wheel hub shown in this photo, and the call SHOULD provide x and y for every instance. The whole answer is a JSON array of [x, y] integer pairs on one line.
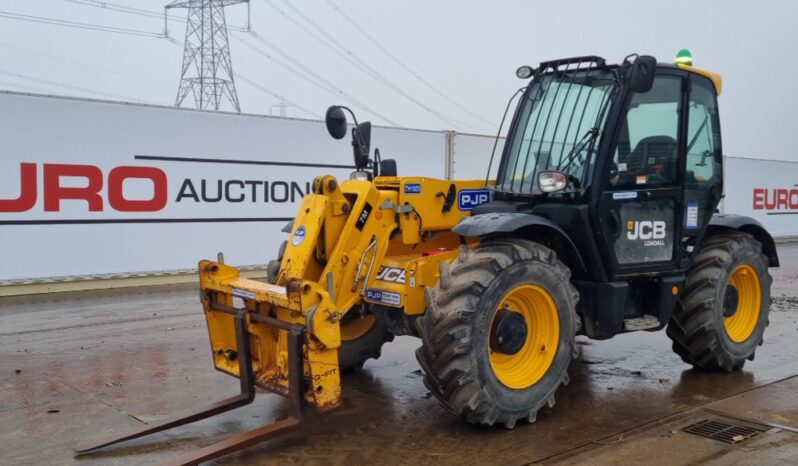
[[731, 300], [508, 333]]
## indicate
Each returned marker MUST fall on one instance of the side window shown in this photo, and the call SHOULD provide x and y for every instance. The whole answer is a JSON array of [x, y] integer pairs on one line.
[[703, 135], [647, 151]]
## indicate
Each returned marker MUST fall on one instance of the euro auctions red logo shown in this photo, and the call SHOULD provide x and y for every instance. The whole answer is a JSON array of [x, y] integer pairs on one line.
[[97, 189], [776, 199]]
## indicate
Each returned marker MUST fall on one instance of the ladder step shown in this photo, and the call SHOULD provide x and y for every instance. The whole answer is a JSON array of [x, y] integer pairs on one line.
[[641, 323]]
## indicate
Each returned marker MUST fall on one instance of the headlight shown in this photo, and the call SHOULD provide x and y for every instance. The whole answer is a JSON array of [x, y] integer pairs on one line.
[[551, 181]]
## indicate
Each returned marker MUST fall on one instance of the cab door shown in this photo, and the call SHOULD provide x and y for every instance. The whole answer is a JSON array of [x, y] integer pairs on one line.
[[639, 209], [703, 176]]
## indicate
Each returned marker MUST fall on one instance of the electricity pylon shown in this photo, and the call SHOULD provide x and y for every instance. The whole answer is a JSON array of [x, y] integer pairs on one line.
[[207, 72]]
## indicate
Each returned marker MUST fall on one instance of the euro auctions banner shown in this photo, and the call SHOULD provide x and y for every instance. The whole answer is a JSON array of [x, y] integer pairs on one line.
[[766, 190], [89, 187]]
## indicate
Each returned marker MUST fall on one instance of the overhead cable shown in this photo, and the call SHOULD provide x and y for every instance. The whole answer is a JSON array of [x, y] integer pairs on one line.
[[77, 25], [402, 64], [310, 75], [340, 49], [69, 86]]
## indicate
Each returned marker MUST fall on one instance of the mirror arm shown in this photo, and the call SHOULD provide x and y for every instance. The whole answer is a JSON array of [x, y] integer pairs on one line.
[[357, 140]]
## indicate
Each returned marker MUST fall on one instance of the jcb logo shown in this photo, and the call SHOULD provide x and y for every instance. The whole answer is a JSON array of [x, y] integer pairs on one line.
[[391, 274], [645, 229]]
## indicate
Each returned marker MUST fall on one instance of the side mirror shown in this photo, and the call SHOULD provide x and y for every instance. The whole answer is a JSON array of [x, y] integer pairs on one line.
[[335, 119], [361, 143], [641, 76]]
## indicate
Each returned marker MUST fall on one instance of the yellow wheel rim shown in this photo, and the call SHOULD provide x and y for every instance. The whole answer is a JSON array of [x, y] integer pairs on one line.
[[741, 324], [526, 367], [356, 328]]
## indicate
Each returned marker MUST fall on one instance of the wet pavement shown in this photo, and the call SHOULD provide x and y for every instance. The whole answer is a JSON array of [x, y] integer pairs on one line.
[[78, 366]]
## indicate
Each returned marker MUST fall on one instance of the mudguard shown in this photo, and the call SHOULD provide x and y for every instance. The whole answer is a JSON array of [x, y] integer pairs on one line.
[[719, 223], [508, 222]]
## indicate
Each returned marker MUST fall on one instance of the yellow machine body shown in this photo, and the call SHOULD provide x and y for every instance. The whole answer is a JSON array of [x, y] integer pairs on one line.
[[357, 242]]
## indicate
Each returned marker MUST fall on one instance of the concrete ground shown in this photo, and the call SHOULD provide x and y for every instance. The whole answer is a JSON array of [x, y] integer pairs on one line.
[[78, 366]]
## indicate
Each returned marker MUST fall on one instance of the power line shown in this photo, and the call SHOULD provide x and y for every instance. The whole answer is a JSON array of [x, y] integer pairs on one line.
[[137, 11], [77, 25], [277, 95], [53, 57], [401, 63], [69, 86], [335, 45], [314, 78]]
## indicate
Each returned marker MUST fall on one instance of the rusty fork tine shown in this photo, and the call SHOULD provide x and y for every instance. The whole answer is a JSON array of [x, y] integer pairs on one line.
[[255, 436], [245, 397]]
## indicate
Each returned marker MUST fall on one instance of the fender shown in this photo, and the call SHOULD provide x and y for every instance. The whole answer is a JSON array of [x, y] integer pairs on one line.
[[720, 223], [509, 222]]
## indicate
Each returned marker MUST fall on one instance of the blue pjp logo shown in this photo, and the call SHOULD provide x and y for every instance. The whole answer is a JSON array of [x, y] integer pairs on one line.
[[467, 199]]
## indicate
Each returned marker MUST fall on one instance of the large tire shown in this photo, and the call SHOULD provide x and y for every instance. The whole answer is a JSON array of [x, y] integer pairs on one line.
[[361, 339], [458, 331], [723, 309]]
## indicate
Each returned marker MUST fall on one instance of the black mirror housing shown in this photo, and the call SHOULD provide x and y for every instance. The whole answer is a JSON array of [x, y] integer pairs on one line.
[[361, 143], [641, 75], [335, 119]]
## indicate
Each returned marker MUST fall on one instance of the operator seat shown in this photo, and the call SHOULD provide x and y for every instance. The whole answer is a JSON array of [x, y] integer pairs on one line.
[[655, 156]]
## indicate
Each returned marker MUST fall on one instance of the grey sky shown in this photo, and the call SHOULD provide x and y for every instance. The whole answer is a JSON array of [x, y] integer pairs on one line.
[[468, 51]]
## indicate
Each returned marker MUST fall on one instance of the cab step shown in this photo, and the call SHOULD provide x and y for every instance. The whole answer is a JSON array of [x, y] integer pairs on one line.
[[641, 323]]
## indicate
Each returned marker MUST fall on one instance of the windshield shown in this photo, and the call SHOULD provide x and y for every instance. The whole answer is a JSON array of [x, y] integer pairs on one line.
[[559, 121]]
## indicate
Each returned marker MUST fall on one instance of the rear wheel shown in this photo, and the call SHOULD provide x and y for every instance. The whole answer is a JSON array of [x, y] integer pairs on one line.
[[498, 333], [723, 310]]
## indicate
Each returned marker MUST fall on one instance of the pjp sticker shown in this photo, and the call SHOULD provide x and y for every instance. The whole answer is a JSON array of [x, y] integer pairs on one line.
[[384, 297], [468, 199]]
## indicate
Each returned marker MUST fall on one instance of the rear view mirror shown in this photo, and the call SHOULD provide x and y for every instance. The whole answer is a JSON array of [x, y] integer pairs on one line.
[[361, 145], [641, 77], [335, 119]]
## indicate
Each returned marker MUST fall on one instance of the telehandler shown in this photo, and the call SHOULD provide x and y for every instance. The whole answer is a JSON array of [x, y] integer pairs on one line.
[[602, 219]]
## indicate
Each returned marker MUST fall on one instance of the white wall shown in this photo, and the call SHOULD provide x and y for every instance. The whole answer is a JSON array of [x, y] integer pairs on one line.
[[472, 156], [45, 130], [766, 190]]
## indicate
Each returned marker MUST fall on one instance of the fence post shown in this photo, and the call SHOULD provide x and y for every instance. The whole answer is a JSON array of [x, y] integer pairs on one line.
[[449, 156]]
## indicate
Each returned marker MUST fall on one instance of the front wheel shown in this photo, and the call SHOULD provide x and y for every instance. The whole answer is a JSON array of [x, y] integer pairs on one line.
[[498, 333], [362, 338], [723, 310]]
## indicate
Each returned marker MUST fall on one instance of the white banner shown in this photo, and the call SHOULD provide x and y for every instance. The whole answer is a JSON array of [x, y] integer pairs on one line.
[[472, 153], [91, 187], [766, 190]]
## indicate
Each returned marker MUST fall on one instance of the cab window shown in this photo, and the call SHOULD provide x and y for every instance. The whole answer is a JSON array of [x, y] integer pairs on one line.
[[703, 135], [647, 150]]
